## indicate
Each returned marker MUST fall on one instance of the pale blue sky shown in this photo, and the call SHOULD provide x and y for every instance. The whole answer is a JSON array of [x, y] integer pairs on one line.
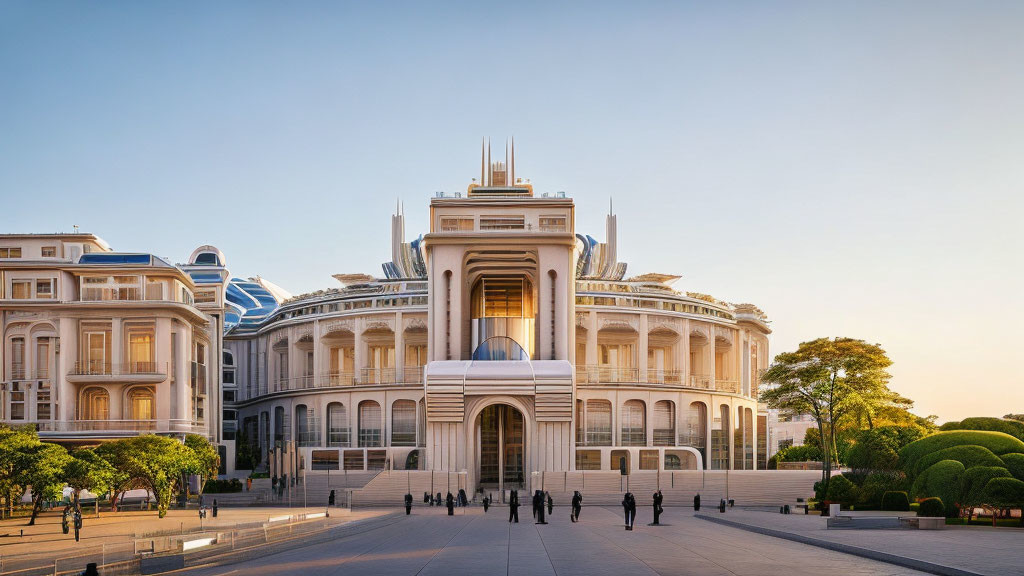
[[852, 169]]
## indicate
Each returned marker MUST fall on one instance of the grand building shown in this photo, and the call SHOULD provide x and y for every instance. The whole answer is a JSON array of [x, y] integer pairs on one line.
[[500, 344]]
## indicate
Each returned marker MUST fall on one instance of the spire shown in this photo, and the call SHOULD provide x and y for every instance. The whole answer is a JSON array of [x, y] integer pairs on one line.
[[610, 211], [512, 164], [482, 164], [490, 168]]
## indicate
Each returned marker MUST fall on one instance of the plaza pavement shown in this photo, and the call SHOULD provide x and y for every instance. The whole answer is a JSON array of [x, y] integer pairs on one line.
[[953, 550], [429, 542]]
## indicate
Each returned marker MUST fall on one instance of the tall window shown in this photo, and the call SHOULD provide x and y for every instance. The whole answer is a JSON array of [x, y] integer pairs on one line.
[[140, 351], [337, 425], [17, 358], [634, 425], [305, 426], [403, 423], [369, 424], [42, 358], [21, 289], [599, 423], [664, 423]]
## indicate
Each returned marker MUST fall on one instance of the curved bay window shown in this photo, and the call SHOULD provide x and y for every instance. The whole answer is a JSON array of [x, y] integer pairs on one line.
[[504, 306]]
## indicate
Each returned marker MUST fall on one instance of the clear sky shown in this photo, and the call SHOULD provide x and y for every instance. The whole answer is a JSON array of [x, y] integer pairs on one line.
[[854, 170]]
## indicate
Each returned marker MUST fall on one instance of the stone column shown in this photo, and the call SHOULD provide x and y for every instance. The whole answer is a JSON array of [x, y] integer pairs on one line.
[[642, 349]]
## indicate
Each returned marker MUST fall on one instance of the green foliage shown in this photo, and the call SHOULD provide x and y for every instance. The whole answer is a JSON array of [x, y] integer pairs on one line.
[[799, 454], [968, 455], [204, 460], [88, 471], [215, 486], [896, 500], [931, 507], [1012, 427], [841, 490], [878, 448], [15, 445], [997, 442], [941, 480], [1005, 493], [155, 462], [1015, 464], [877, 484], [45, 471], [972, 485], [247, 453], [1017, 417]]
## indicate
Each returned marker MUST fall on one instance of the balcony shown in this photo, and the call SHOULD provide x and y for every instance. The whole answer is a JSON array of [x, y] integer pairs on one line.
[[17, 371], [726, 385], [701, 382], [593, 438], [377, 376], [99, 371], [118, 427], [606, 375], [655, 376]]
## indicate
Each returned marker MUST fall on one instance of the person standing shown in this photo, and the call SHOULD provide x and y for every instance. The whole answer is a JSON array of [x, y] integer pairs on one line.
[[450, 502], [577, 505], [536, 503], [696, 503], [487, 503], [658, 499], [629, 509], [513, 507], [408, 504], [440, 502], [551, 504], [214, 507]]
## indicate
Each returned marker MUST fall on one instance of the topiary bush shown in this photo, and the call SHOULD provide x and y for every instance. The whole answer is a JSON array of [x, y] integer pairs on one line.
[[877, 484], [996, 442], [931, 507], [1014, 463], [1005, 493], [941, 480], [974, 480], [896, 500], [968, 455], [1011, 427], [841, 490]]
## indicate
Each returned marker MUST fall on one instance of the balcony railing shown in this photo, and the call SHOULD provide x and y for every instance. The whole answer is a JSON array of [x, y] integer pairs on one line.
[[592, 438], [655, 376], [701, 381], [100, 368], [664, 436], [17, 371], [121, 426], [412, 375], [335, 379], [371, 376], [731, 386]]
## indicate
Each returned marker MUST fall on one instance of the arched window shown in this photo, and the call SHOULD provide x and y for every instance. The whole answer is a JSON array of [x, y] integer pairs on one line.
[[403, 423], [229, 358], [369, 424], [664, 423], [422, 423], [598, 423], [140, 403], [337, 425], [634, 424], [694, 430], [279, 425], [305, 426], [95, 404]]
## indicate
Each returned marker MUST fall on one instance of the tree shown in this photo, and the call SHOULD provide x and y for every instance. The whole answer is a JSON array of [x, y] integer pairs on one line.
[[45, 465], [205, 461], [15, 443], [88, 471], [153, 462], [830, 379]]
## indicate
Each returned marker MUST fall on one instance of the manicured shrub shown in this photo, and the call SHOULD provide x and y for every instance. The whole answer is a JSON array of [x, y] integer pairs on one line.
[[841, 490], [941, 480], [974, 480], [1005, 493], [931, 507], [1011, 427], [895, 500], [878, 448], [968, 455], [997, 442], [215, 486], [1015, 464], [877, 484]]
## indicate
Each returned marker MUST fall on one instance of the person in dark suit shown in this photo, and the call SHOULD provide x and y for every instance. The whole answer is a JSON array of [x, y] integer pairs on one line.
[[577, 505], [551, 503], [450, 502], [696, 503], [658, 499], [513, 507], [408, 504], [487, 503], [629, 509]]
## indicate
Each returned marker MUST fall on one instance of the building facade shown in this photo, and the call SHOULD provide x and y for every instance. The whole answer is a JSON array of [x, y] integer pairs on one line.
[[500, 344]]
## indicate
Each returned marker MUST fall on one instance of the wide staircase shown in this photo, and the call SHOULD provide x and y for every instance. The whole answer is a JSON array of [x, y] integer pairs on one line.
[[312, 490], [748, 488]]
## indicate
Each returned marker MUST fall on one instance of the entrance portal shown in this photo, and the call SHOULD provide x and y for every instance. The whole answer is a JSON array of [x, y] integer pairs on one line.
[[500, 438]]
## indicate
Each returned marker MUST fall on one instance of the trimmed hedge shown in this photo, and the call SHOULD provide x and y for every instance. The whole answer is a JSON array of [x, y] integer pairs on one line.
[[972, 485], [841, 490], [931, 507], [1005, 493], [997, 442], [941, 480], [1015, 464], [874, 487], [214, 486], [968, 455], [897, 501], [1011, 427]]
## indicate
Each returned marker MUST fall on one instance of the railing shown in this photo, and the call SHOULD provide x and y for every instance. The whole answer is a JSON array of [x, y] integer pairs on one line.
[[335, 379], [412, 375], [655, 376], [591, 438], [664, 436], [17, 371], [100, 368], [732, 386], [606, 374], [377, 376], [690, 439], [185, 426], [701, 381]]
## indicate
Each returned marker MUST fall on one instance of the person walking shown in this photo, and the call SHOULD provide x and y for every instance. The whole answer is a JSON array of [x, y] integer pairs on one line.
[[408, 504], [214, 507], [658, 499], [440, 502], [577, 505], [551, 503], [513, 507], [487, 503], [536, 503], [450, 502], [629, 509], [696, 503]]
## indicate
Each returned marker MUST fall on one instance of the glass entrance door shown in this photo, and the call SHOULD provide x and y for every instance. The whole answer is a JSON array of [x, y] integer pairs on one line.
[[501, 442]]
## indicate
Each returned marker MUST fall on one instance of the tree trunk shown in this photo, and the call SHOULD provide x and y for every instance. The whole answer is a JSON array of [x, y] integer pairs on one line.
[[38, 503], [824, 456]]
